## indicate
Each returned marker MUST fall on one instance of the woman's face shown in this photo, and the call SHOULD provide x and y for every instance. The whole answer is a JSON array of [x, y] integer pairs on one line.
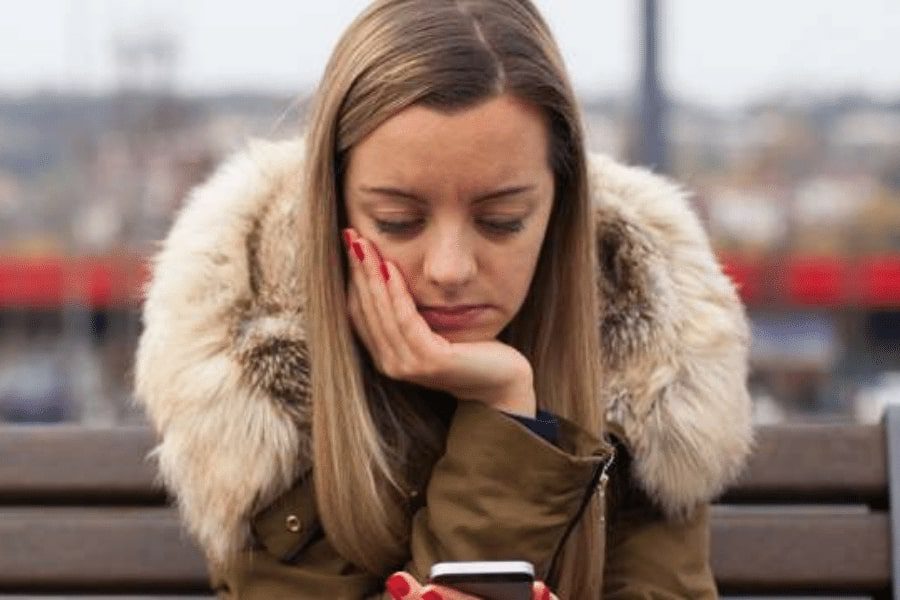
[[460, 203]]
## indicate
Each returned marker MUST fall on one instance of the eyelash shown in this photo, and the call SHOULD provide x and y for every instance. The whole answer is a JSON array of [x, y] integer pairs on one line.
[[400, 227]]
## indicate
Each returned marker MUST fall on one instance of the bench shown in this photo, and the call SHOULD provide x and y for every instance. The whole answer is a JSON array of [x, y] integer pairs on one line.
[[79, 514]]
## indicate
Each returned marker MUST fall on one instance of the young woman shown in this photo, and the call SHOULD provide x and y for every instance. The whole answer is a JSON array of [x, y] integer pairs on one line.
[[434, 328]]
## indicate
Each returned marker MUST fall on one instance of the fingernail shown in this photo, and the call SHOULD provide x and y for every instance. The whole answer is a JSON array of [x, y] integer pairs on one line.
[[432, 595], [347, 238], [397, 586], [384, 272], [545, 595], [357, 248]]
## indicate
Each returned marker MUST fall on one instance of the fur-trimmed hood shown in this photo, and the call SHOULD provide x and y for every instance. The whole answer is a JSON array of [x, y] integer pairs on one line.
[[223, 347]]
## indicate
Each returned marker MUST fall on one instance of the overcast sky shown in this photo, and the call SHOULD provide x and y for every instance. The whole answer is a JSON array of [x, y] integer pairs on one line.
[[716, 52]]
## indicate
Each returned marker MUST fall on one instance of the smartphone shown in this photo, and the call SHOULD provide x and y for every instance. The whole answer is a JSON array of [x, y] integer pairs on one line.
[[489, 579]]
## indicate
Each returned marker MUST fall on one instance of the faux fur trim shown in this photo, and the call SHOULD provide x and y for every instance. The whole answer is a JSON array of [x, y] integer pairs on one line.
[[675, 339], [221, 365]]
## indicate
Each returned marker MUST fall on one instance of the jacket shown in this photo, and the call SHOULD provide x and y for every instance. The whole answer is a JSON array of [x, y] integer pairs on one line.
[[221, 370]]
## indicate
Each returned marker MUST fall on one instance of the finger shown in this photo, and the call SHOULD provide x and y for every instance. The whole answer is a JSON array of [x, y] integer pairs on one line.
[[358, 319], [402, 585], [436, 592], [361, 324], [400, 350], [540, 591], [354, 308], [378, 347]]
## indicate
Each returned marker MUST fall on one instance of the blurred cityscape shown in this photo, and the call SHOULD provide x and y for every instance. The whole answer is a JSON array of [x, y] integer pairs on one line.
[[801, 196]]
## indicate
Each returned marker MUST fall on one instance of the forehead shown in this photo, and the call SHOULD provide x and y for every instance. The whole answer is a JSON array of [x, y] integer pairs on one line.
[[488, 144]]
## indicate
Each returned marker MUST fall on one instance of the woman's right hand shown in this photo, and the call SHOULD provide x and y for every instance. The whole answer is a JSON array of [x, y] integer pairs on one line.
[[403, 586], [404, 347]]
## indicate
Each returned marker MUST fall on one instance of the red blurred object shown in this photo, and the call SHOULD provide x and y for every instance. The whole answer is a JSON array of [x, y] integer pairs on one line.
[[820, 281], [116, 281], [32, 283], [879, 281], [50, 282]]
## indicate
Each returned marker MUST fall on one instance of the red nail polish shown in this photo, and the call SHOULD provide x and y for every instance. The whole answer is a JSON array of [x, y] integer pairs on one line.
[[397, 586], [432, 595], [384, 272], [357, 248], [545, 595]]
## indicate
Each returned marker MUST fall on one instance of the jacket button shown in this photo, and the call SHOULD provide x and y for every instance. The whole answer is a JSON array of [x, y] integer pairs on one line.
[[414, 493], [292, 523]]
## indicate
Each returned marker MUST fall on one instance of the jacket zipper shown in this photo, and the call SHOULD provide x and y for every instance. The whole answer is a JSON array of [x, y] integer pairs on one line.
[[598, 483]]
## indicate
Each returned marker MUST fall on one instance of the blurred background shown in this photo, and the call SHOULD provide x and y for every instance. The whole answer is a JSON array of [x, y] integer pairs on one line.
[[783, 118]]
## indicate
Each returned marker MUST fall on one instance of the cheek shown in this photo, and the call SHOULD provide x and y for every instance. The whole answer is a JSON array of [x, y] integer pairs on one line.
[[512, 272], [513, 284], [405, 261]]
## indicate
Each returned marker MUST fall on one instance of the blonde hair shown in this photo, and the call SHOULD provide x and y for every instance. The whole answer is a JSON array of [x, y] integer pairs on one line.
[[448, 55]]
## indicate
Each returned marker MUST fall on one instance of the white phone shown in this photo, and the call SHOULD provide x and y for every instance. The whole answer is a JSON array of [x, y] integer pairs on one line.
[[487, 579]]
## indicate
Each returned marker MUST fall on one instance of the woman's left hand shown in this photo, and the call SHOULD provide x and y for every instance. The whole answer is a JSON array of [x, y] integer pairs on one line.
[[403, 585]]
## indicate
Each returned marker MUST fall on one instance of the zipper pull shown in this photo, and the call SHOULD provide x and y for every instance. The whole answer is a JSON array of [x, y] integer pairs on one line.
[[604, 475], [601, 486]]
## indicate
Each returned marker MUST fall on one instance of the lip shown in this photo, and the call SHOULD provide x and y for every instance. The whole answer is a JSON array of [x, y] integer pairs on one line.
[[453, 317]]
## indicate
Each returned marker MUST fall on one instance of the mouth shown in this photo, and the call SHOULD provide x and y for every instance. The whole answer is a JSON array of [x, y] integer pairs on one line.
[[459, 316], [451, 309]]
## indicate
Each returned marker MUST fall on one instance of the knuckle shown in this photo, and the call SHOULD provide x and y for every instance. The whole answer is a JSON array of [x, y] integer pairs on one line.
[[401, 370], [389, 368], [422, 369], [408, 369], [406, 324]]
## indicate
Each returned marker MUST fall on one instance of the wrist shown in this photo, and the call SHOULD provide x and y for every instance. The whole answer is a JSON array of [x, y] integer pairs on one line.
[[518, 400]]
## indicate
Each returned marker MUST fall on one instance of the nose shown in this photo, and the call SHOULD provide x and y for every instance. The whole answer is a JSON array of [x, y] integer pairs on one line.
[[449, 261]]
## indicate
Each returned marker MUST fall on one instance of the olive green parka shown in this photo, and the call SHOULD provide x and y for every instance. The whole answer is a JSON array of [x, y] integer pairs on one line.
[[222, 371]]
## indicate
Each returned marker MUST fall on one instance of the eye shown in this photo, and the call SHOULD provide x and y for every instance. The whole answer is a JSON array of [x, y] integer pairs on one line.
[[401, 227], [396, 227], [504, 226]]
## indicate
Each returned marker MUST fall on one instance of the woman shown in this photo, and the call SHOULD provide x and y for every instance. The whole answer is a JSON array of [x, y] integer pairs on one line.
[[329, 432]]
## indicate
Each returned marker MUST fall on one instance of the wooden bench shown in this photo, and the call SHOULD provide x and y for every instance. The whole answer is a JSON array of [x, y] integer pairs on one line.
[[79, 514]]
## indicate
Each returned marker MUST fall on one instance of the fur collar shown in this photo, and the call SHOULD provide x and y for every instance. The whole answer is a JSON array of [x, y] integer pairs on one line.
[[223, 343]]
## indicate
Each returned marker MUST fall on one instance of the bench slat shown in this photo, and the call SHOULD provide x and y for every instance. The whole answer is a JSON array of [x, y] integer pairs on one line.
[[97, 549], [815, 463], [757, 551], [65, 463], [837, 463]]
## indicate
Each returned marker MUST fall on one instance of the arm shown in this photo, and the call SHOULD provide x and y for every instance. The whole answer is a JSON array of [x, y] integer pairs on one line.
[[647, 555], [502, 492], [499, 492]]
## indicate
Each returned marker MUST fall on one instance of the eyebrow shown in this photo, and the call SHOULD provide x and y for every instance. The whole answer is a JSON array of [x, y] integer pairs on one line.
[[501, 193]]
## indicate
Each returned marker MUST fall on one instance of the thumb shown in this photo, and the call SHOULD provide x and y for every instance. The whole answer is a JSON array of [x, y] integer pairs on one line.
[[402, 585], [540, 591]]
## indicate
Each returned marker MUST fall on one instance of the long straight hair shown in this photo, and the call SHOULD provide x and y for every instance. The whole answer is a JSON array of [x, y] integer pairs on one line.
[[368, 430]]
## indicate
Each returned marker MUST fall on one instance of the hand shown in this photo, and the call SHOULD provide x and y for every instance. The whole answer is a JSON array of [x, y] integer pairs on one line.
[[403, 585], [404, 347]]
